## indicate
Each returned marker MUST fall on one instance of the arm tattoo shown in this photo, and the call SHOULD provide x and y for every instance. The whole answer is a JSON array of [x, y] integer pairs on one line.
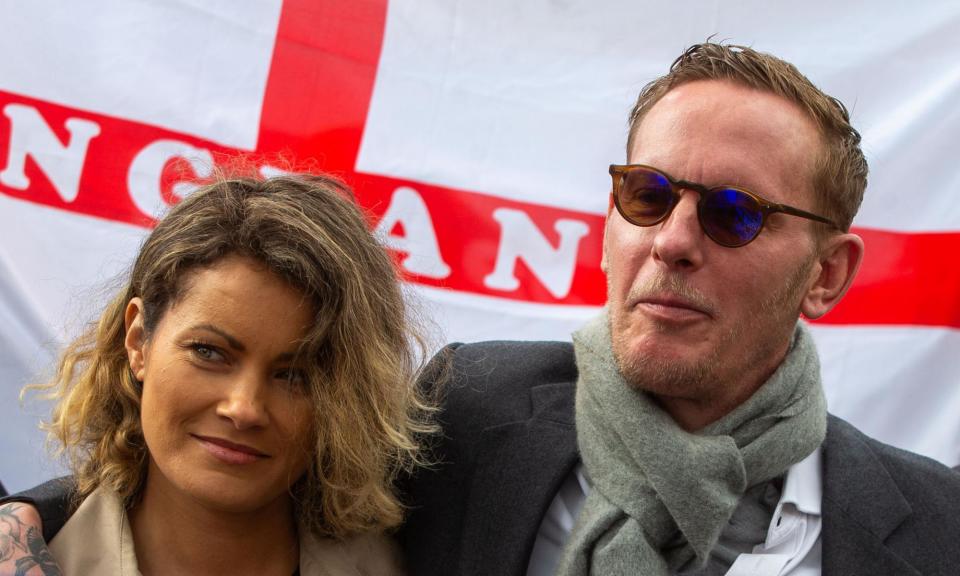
[[22, 547]]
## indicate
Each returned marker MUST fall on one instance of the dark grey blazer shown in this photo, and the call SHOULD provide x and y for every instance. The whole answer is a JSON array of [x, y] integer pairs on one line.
[[509, 442]]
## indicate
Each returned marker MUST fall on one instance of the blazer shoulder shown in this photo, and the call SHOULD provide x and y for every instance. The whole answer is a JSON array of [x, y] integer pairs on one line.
[[929, 485], [484, 384], [913, 473], [877, 482], [521, 364]]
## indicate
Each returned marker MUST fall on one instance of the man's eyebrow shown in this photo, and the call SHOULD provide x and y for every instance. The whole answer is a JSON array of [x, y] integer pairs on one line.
[[233, 342]]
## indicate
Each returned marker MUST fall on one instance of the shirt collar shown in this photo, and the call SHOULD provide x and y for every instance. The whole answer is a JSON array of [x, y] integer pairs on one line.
[[803, 486]]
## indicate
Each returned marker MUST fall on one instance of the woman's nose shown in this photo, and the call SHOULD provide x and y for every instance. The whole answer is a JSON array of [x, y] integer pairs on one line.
[[244, 403]]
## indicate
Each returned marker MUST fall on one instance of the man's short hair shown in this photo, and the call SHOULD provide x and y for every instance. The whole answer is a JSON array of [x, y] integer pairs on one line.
[[840, 173]]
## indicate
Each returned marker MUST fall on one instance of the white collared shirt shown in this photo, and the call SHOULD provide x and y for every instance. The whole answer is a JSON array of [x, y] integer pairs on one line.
[[792, 545]]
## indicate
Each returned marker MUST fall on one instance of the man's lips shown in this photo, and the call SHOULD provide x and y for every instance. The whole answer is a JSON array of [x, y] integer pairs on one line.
[[230, 452], [672, 308]]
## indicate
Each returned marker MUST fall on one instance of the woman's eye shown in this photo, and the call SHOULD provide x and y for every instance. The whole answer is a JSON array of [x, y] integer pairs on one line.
[[205, 352]]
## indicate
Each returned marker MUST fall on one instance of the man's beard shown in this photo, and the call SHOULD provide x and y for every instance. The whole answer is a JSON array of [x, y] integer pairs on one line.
[[703, 378]]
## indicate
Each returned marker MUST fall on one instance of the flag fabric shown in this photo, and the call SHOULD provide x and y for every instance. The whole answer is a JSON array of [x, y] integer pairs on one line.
[[477, 135]]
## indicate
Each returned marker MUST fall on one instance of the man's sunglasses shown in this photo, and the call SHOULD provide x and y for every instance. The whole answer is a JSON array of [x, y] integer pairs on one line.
[[731, 217]]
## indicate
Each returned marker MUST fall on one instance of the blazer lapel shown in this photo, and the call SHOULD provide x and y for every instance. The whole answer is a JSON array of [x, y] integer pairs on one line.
[[861, 507], [520, 467]]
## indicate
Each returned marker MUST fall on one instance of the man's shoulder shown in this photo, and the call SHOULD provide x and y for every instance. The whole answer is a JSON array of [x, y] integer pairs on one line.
[[488, 363], [912, 472], [917, 467], [492, 381], [909, 502], [503, 405], [886, 510]]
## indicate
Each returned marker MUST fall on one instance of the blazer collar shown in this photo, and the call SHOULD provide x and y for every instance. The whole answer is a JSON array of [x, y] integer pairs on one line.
[[520, 467], [862, 505]]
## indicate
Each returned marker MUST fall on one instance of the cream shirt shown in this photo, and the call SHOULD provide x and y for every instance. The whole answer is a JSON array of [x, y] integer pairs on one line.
[[97, 540], [792, 545]]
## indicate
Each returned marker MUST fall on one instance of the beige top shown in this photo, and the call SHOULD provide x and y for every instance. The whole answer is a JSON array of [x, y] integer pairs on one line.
[[97, 540]]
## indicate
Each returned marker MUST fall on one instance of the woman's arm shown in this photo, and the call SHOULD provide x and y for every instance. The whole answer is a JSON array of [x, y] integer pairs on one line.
[[22, 548]]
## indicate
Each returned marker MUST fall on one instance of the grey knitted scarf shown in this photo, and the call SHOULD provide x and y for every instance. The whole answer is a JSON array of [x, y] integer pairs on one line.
[[661, 496]]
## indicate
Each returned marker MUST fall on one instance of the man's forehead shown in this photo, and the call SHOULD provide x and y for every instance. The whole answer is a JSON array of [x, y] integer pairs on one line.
[[718, 132]]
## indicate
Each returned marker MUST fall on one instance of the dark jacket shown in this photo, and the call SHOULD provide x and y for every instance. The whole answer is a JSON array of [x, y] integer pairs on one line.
[[509, 442]]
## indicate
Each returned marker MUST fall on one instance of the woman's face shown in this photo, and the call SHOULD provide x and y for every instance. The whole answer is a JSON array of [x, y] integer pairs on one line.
[[226, 414]]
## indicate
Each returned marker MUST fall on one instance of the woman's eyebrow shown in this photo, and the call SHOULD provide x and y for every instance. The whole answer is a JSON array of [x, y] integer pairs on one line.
[[233, 342], [236, 344]]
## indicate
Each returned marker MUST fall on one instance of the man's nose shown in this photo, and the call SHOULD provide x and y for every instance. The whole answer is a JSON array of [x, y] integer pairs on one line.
[[244, 403], [678, 241]]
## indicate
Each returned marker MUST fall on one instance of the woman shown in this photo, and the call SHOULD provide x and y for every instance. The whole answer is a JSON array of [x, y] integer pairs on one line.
[[246, 401]]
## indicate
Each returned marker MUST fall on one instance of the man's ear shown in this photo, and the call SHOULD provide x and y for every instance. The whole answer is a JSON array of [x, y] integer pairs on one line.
[[839, 260], [136, 338]]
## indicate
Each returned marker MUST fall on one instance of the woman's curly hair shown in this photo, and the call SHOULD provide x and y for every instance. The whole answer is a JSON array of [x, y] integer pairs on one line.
[[362, 355]]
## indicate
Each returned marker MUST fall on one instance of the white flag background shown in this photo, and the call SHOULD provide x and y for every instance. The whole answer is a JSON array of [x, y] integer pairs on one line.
[[478, 136]]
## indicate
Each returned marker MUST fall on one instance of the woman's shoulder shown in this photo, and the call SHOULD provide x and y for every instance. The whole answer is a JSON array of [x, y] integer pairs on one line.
[[361, 555]]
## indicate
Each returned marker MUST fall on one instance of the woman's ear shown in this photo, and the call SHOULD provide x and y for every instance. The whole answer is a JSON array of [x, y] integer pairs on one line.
[[839, 261], [136, 338]]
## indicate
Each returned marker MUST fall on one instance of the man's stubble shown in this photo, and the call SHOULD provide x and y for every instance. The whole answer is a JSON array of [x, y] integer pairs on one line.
[[705, 378]]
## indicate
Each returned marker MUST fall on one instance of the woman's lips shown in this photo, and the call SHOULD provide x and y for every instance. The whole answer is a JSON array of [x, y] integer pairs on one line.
[[230, 452]]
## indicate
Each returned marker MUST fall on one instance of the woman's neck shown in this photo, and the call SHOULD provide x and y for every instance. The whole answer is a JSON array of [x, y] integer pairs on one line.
[[176, 534]]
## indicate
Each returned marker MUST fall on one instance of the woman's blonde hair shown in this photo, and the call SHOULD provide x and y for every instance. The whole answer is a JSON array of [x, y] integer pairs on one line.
[[363, 357]]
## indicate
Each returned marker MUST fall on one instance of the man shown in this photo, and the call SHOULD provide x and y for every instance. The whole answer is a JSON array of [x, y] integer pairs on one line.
[[685, 431]]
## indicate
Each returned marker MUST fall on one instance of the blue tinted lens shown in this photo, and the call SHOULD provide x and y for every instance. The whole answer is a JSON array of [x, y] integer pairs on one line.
[[730, 217]]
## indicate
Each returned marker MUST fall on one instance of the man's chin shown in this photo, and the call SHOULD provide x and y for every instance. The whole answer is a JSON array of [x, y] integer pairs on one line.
[[662, 365], [667, 344]]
